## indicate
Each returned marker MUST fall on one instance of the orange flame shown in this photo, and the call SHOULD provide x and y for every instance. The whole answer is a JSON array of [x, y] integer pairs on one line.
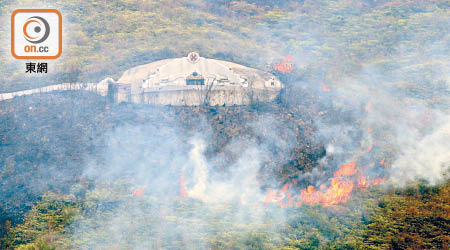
[[282, 196], [271, 197], [362, 182], [183, 190], [325, 88], [139, 191], [339, 191], [368, 106], [347, 169], [379, 180], [309, 195], [284, 66]]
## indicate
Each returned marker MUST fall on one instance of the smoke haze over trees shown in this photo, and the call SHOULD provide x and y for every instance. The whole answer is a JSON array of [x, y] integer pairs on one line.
[[354, 154]]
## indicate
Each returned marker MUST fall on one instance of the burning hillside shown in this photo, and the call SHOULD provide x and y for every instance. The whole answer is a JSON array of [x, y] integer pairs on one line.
[[182, 165], [235, 125]]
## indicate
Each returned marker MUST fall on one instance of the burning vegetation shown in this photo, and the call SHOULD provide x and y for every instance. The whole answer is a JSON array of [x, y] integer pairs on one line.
[[352, 154], [284, 66], [255, 159]]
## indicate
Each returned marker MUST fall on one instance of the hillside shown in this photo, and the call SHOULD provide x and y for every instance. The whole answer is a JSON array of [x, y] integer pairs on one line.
[[370, 218], [353, 153], [405, 42]]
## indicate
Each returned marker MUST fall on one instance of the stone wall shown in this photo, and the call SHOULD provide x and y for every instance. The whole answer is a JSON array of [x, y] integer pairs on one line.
[[168, 95], [99, 88], [194, 97]]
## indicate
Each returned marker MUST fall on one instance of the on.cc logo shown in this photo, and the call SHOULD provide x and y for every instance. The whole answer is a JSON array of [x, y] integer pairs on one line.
[[36, 34], [36, 29]]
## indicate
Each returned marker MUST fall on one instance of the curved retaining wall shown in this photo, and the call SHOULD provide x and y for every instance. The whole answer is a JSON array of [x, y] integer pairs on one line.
[[186, 96], [99, 88]]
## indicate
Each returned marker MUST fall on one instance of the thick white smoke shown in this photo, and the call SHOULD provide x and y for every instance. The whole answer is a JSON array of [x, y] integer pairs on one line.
[[200, 174], [424, 157]]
